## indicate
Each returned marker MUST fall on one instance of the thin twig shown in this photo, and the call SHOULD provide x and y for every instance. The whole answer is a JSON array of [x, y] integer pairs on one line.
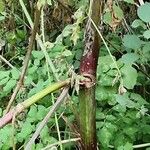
[[39, 41], [45, 120], [62, 142], [134, 146], [11, 66], [27, 58], [7, 62]]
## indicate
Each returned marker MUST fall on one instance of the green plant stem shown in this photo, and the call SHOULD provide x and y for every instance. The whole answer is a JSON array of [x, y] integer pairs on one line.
[[44, 92], [30, 101], [88, 67], [87, 118]]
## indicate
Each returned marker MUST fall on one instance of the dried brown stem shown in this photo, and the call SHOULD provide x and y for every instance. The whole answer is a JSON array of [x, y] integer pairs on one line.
[[45, 120], [27, 58]]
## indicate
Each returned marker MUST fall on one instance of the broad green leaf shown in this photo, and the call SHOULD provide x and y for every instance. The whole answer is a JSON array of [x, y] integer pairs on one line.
[[32, 70], [21, 34], [129, 1], [58, 48], [124, 101], [118, 11], [105, 93], [36, 62], [41, 112], [105, 63], [146, 34], [4, 81], [119, 108], [67, 53], [120, 147], [2, 18], [144, 11], [15, 73], [31, 117], [104, 136], [130, 130], [108, 18], [137, 22], [26, 130], [132, 41], [129, 76], [9, 85], [5, 136], [2, 6], [129, 58], [28, 80], [138, 98], [99, 114], [146, 47], [38, 54], [4, 74], [67, 31]]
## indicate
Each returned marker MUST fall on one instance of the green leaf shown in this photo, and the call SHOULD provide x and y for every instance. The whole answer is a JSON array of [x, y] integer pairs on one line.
[[107, 18], [120, 147], [129, 1], [146, 47], [2, 18], [118, 12], [67, 53], [38, 54], [104, 136], [9, 85], [129, 76], [144, 11], [128, 146], [129, 58], [138, 98], [4, 74], [15, 73], [132, 41], [31, 117], [2, 6], [26, 130], [32, 70], [124, 101], [4, 81], [5, 136], [146, 34], [137, 22], [41, 112]]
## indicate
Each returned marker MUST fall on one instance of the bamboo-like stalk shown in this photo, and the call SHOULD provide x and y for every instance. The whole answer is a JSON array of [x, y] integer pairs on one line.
[[88, 68], [30, 101]]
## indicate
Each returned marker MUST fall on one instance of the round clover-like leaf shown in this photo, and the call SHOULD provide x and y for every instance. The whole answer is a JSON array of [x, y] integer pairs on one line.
[[129, 58], [129, 76], [138, 23], [132, 41], [144, 11], [146, 34]]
